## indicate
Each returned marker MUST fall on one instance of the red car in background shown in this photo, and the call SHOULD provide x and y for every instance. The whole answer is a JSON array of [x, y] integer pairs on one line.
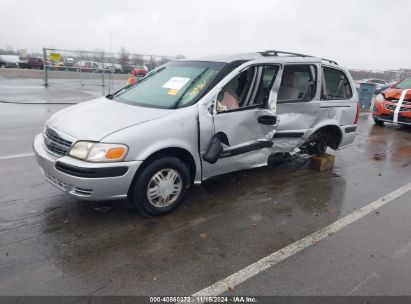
[[385, 104], [140, 71]]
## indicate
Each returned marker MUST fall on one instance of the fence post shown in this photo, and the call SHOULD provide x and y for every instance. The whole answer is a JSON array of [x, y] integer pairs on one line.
[[102, 73], [45, 80]]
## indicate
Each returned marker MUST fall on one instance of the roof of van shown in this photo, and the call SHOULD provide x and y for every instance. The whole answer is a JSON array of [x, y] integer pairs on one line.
[[280, 55]]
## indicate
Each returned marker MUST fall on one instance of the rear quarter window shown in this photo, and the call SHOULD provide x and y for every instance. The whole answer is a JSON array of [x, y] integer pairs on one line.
[[335, 85]]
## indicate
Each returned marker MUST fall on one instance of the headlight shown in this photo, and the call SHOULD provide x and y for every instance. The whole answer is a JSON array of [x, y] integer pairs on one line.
[[379, 98], [98, 152]]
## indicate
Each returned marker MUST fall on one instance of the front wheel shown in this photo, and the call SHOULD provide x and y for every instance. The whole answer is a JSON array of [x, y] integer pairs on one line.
[[160, 187], [378, 122]]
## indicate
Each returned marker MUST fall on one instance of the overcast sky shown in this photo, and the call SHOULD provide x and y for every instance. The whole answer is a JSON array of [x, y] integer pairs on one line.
[[372, 34]]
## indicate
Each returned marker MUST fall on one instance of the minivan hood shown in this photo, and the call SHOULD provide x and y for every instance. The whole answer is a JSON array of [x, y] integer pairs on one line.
[[93, 120]]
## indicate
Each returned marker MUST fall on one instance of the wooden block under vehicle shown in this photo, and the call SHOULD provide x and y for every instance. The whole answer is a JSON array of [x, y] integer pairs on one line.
[[322, 162]]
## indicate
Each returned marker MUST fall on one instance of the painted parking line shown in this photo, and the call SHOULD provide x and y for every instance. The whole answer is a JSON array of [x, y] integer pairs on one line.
[[16, 156], [286, 252]]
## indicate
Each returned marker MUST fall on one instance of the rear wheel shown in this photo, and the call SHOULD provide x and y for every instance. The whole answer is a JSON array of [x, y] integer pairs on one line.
[[160, 187], [316, 144]]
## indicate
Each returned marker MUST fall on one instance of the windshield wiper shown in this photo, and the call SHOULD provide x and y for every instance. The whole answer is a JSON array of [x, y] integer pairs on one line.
[[174, 106]]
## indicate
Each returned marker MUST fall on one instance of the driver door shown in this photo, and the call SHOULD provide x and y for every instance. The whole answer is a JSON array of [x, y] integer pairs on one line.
[[244, 121]]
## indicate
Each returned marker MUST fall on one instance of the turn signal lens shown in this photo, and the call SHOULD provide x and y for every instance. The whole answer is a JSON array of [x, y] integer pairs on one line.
[[99, 152], [115, 153]]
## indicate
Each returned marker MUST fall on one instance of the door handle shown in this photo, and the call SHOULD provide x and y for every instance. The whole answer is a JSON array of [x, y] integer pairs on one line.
[[267, 120]]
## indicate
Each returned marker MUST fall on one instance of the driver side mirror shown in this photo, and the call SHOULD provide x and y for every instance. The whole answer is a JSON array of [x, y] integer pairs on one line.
[[214, 150]]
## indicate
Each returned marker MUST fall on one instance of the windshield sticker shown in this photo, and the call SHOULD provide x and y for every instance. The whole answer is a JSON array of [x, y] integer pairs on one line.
[[176, 83], [172, 92], [201, 84]]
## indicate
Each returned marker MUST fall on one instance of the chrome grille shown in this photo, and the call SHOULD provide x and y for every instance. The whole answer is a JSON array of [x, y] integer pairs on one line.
[[55, 144], [404, 102], [392, 107]]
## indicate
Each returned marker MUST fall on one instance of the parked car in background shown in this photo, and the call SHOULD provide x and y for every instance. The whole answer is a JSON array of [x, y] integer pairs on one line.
[[5, 64], [68, 61], [113, 68], [35, 63], [23, 63], [11, 61], [127, 68], [191, 120], [394, 104], [140, 70], [86, 66], [381, 85], [117, 68], [12, 64]]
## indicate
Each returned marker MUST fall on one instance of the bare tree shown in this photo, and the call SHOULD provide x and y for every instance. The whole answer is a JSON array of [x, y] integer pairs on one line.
[[124, 56], [137, 60]]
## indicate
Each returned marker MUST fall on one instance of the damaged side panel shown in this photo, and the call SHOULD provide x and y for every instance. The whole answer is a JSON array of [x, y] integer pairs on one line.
[[244, 134]]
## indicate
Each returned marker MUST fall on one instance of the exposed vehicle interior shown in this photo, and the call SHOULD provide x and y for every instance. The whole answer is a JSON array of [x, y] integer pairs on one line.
[[335, 85], [298, 83], [250, 88]]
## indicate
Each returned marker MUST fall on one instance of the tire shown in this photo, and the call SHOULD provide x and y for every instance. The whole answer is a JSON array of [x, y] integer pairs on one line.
[[161, 177], [317, 144], [378, 122]]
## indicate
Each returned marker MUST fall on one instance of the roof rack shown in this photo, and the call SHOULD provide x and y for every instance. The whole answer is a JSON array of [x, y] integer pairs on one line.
[[276, 53], [330, 61]]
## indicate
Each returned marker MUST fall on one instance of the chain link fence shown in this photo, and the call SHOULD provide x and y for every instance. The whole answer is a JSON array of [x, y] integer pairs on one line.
[[388, 76], [107, 70], [110, 71]]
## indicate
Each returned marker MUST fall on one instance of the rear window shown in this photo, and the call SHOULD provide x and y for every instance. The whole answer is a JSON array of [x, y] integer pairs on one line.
[[336, 85]]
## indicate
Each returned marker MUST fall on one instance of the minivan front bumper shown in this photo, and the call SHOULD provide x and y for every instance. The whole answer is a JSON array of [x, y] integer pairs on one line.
[[85, 180]]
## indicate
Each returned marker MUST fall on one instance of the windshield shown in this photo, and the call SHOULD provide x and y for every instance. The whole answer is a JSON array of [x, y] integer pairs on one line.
[[404, 84], [174, 85]]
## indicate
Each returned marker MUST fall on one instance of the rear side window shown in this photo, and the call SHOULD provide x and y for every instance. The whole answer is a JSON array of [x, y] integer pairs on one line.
[[297, 83], [335, 85]]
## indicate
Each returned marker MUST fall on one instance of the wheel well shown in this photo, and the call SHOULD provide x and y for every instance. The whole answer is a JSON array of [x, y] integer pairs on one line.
[[334, 135], [179, 153]]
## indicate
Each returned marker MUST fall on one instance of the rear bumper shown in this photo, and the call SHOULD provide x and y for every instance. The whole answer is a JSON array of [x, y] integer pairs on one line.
[[348, 136], [85, 180]]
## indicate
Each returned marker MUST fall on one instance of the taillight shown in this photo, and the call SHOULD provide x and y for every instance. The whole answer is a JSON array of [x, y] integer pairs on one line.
[[357, 114]]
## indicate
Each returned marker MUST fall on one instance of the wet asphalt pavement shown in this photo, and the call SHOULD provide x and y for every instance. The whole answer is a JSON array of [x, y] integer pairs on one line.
[[52, 244]]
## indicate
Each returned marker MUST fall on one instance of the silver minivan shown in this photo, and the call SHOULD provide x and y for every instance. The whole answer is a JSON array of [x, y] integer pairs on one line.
[[190, 120]]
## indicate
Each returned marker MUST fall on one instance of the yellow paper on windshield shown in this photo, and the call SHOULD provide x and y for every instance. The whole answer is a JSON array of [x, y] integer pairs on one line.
[[172, 92]]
